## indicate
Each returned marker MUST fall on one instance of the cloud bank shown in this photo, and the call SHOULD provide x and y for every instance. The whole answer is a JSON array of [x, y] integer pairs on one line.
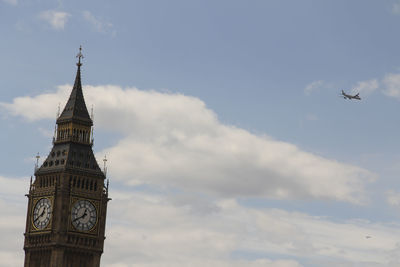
[[180, 229], [159, 230], [172, 141], [175, 140]]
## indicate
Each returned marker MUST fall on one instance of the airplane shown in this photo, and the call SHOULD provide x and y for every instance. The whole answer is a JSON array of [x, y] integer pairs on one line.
[[347, 96]]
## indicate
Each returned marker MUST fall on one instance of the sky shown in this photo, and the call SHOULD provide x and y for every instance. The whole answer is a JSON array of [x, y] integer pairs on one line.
[[228, 143]]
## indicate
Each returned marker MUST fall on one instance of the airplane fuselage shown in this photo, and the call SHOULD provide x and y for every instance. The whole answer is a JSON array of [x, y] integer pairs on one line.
[[347, 96]]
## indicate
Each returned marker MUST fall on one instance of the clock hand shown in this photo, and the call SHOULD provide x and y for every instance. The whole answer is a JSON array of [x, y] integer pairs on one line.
[[41, 214], [83, 216]]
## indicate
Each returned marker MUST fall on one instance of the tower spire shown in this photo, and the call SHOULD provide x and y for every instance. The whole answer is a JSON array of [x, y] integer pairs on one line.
[[75, 109]]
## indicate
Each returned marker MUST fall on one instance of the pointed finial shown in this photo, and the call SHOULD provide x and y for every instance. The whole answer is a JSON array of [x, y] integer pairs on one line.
[[37, 161], [105, 165], [79, 56], [55, 126]]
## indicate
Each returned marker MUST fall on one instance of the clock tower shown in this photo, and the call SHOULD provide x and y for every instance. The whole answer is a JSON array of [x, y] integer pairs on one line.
[[67, 201]]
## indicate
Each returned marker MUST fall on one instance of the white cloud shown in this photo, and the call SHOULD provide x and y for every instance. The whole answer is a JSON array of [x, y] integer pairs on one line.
[[97, 24], [366, 87], [362, 87], [175, 140], [56, 19], [166, 229], [313, 86], [392, 84], [32, 109], [10, 187], [12, 220], [151, 230], [393, 198]]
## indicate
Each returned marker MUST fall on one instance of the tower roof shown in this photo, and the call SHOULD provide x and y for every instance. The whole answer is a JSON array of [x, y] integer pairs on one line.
[[72, 147], [75, 110]]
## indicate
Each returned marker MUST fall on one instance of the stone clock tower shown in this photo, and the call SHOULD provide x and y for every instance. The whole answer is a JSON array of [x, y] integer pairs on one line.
[[67, 204]]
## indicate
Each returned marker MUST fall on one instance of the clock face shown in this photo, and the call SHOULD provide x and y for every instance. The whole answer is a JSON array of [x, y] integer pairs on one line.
[[42, 213], [83, 215]]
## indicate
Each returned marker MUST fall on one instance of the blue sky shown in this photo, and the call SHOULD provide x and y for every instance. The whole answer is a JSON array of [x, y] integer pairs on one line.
[[216, 113]]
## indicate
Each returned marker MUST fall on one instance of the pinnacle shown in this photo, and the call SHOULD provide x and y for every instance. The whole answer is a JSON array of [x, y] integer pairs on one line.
[[75, 109]]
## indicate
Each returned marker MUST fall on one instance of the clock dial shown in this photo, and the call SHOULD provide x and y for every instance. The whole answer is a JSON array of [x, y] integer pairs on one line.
[[83, 215], [42, 213]]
